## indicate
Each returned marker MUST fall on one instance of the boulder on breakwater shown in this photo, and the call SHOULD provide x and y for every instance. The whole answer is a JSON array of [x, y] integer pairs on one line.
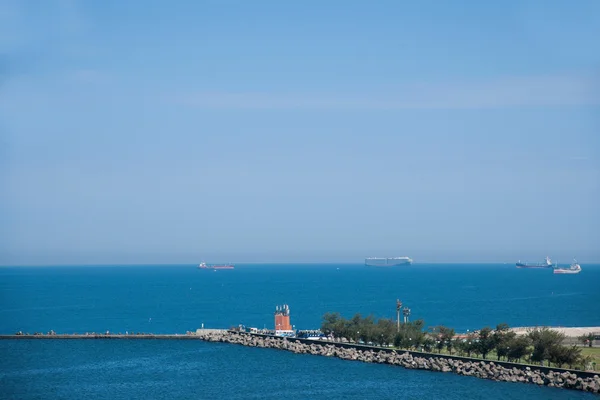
[[479, 369]]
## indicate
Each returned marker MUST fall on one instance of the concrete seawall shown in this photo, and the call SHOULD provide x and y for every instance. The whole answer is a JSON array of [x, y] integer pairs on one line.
[[171, 336], [124, 337], [498, 371], [185, 336]]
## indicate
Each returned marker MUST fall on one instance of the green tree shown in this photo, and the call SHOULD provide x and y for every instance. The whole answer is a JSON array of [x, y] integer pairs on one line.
[[485, 342], [440, 334], [428, 344], [545, 341], [502, 337], [447, 336], [518, 347], [330, 324], [439, 345], [561, 355], [385, 331], [354, 327], [468, 345], [419, 324], [367, 329], [418, 338], [410, 335], [586, 362], [587, 339]]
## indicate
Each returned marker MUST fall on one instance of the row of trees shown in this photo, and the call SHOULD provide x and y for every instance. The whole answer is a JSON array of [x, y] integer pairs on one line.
[[539, 345]]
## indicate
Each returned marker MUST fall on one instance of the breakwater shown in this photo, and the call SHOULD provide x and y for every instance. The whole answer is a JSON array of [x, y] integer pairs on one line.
[[125, 337], [142, 336], [498, 371]]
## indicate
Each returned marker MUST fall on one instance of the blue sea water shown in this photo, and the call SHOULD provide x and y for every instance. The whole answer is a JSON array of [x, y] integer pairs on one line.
[[176, 299]]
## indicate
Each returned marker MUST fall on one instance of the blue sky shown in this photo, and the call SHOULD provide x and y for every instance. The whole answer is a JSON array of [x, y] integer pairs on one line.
[[155, 132]]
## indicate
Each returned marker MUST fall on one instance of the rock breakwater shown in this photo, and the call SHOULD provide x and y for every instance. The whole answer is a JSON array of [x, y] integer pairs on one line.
[[479, 369]]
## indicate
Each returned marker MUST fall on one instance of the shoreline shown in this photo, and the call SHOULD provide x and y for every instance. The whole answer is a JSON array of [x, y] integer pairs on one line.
[[568, 331]]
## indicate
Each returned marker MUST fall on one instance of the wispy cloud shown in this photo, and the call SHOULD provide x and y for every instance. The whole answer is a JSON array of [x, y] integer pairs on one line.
[[511, 92]]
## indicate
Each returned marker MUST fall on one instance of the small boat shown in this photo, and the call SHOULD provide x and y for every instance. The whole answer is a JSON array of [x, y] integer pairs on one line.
[[574, 268]]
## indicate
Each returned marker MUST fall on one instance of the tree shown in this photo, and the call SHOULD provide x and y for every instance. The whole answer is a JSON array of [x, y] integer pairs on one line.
[[502, 337], [330, 324], [573, 356], [410, 335], [468, 345], [561, 355], [443, 336], [420, 336], [586, 362], [385, 331], [587, 339], [419, 324], [545, 341], [485, 342], [518, 348], [446, 336], [428, 344], [370, 330], [439, 345], [367, 329]]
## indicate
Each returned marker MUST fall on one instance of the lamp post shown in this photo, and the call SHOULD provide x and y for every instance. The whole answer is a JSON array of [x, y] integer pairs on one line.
[[406, 313], [398, 307]]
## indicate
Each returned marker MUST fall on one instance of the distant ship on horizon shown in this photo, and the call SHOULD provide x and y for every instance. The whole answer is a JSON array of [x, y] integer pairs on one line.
[[546, 264], [387, 261], [204, 265], [574, 268]]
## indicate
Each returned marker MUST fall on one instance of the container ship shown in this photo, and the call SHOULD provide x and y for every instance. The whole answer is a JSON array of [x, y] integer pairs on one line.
[[204, 265], [387, 262], [546, 264], [574, 268]]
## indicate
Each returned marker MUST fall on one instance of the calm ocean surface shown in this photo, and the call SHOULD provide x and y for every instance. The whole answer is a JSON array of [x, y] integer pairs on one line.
[[175, 299]]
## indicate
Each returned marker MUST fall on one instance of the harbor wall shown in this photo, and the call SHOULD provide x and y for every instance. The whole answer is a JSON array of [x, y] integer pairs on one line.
[[485, 369], [505, 364], [188, 336]]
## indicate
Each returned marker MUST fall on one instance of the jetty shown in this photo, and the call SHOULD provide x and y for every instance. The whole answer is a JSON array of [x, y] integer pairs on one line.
[[198, 334], [484, 369]]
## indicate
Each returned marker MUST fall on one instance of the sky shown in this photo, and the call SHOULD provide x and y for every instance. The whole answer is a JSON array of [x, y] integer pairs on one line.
[[175, 132]]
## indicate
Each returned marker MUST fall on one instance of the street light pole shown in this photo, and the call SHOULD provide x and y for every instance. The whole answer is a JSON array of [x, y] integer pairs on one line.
[[406, 313], [398, 308]]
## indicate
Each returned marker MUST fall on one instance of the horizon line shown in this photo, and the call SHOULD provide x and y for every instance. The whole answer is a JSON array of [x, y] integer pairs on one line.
[[117, 264]]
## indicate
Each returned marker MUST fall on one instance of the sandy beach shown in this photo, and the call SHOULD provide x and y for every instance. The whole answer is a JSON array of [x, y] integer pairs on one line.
[[567, 331]]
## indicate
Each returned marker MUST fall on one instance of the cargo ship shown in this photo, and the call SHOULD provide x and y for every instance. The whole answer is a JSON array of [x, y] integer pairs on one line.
[[387, 262], [574, 268], [546, 264], [204, 265]]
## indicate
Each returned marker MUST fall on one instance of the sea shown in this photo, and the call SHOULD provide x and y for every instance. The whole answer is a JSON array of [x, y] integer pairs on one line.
[[181, 298]]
